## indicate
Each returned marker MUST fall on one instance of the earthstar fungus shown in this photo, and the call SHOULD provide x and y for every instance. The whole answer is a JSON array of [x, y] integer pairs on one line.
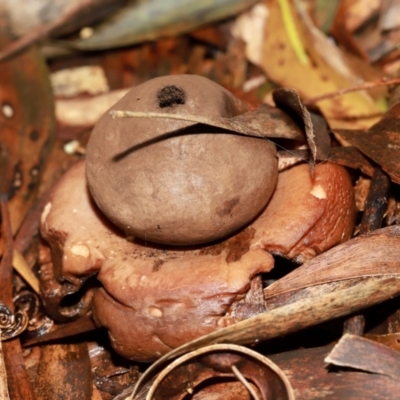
[[157, 294]]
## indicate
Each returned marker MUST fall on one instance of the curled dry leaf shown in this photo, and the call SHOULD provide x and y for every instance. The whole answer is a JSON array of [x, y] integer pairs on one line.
[[351, 261], [318, 139], [221, 361]]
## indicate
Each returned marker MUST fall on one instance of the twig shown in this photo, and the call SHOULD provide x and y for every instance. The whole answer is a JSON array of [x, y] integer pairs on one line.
[[242, 379], [356, 88], [22, 267]]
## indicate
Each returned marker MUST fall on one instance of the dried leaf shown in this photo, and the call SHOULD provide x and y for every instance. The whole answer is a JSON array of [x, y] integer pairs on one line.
[[366, 355], [391, 339], [18, 382], [318, 139], [324, 69], [381, 146], [352, 158], [264, 122], [86, 111]]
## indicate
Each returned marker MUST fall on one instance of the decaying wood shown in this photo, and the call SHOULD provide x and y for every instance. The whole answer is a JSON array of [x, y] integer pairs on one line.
[[4, 395]]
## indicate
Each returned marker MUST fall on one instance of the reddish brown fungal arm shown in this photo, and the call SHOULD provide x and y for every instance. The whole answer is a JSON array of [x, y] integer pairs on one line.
[[308, 215]]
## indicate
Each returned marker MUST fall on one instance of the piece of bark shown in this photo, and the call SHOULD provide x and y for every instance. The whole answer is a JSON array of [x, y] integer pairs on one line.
[[4, 395], [64, 373], [312, 380], [60, 331], [376, 202], [17, 377], [365, 355]]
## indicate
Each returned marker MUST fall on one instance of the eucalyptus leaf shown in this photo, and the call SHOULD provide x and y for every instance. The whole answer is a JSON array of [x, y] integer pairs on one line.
[[146, 20]]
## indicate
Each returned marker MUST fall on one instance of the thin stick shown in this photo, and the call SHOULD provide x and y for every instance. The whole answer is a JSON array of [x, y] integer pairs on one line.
[[356, 88], [22, 267], [242, 379]]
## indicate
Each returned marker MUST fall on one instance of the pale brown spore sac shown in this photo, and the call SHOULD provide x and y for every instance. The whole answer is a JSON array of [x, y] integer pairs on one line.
[[176, 182]]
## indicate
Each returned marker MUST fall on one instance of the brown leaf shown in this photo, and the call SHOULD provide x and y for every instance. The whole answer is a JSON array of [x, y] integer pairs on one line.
[[27, 129], [265, 121], [318, 139], [381, 146], [352, 158]]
